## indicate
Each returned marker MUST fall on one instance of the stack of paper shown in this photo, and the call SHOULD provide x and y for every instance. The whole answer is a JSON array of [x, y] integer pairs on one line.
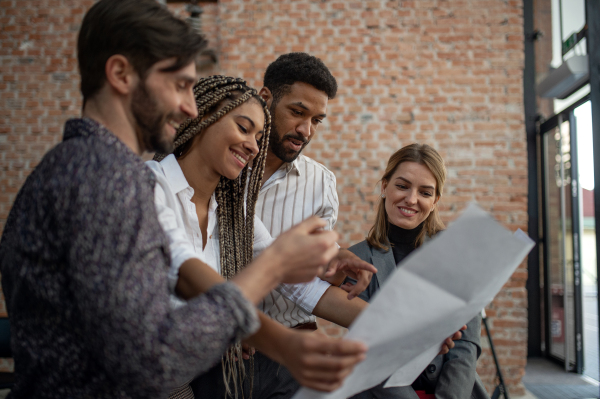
[[434, 291]]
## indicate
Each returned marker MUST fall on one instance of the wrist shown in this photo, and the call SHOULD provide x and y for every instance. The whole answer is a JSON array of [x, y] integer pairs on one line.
[[281, 344], [270, 262], [271, 339], [259, 277]]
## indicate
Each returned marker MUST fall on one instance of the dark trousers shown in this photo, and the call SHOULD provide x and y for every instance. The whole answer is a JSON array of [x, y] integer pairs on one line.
[[271, 381]]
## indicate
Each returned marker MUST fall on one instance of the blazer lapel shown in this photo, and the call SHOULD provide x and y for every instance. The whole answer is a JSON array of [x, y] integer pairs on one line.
[[384, 262]]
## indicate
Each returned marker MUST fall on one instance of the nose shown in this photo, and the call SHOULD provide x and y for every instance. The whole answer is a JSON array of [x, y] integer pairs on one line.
[[411, 197], [188, 105], [252, 147], [304, 128]]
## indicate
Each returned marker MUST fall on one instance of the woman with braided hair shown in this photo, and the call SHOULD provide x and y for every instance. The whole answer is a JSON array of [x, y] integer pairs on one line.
[[205, 196]]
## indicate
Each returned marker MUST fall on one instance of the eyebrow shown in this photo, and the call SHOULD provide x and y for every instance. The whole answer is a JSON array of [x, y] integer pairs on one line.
[[251, 122], [183, 76], [248, 119], [409, 182], [187, 79], [304, 107]]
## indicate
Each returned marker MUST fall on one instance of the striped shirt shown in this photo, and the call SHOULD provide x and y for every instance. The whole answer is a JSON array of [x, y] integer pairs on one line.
[[295, 192]]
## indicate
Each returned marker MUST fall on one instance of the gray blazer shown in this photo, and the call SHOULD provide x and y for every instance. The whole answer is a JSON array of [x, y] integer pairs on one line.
[[453, 375]]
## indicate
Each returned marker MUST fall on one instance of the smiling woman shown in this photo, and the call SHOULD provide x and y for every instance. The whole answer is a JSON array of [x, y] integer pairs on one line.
[[213, 151], [407, 215], [410, 189], [206, 190]]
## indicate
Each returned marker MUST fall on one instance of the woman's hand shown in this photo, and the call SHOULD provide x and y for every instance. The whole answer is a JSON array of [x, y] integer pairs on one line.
[[314, 360], [303, 251], [319, 362], [449, 342]]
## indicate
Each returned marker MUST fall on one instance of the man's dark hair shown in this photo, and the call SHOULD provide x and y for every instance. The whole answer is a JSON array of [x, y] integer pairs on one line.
[[298, 67], [144, 31]]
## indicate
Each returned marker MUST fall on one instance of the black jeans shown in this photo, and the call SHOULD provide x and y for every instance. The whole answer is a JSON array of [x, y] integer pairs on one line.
[[271, 381]]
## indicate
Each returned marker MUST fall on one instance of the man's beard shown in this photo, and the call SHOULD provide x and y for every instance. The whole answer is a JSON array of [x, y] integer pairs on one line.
[[150, 121], [276, 142]]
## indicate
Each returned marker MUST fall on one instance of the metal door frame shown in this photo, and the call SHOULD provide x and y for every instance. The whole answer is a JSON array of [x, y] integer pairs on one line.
[[546, 127]]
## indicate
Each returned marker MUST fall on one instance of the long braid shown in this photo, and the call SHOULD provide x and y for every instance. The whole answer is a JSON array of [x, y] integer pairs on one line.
[[236, 199]]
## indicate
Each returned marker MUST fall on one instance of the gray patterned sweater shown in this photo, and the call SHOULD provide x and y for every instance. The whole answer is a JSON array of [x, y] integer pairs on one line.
[[84, 271]]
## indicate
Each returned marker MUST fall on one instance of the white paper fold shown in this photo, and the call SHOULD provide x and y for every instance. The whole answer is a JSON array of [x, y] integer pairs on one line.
[[437, 289]]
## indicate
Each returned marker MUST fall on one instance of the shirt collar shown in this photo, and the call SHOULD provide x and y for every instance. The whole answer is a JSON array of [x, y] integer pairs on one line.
[[282, 172], [177, 179], [287, 167], [174, 174], [294, 165]]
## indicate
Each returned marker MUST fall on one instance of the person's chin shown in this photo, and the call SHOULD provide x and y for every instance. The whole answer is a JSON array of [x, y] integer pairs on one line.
[[291, 155], [169, 133], [162, 144], [233, 173], [405, 224]]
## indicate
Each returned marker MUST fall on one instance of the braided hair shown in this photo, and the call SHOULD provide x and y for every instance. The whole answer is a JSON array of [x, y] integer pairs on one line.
[[236, 199]]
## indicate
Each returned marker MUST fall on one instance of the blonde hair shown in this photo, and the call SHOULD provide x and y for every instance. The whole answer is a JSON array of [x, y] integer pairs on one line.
[[424, 155]]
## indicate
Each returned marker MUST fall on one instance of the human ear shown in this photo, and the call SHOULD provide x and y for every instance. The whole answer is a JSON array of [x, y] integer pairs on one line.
[[266, 95], [120, 74], [384, 184]]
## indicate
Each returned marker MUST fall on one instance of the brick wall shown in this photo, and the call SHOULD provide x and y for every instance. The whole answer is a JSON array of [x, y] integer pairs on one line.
[[446, 73]]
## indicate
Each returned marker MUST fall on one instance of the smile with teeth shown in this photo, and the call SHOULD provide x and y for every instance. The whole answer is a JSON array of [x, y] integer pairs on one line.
[[239, 158], [406, 210], [174, 124]]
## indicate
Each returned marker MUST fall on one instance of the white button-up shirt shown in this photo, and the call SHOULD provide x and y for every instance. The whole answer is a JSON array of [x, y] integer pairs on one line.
[[296, 191], [178, 217]]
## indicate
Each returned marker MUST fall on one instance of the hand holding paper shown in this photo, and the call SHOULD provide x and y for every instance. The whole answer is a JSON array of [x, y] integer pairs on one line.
[[438, 288]]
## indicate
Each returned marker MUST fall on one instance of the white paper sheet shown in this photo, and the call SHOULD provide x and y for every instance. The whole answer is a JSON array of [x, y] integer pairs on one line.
[[437, 289]]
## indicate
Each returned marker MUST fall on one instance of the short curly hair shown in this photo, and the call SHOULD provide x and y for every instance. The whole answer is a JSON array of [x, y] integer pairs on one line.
[[290, 68]]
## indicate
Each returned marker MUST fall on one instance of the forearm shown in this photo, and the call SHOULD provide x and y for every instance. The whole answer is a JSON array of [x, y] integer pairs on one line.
[[335, 307], [260, 277], [255, 281], [195, 278], [270, 338]]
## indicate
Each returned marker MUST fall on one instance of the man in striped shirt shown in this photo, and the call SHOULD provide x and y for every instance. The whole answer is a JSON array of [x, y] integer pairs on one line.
[[297, 87]]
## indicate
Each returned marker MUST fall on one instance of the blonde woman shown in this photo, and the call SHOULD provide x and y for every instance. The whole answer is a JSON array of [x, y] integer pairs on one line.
[[407, 215]]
